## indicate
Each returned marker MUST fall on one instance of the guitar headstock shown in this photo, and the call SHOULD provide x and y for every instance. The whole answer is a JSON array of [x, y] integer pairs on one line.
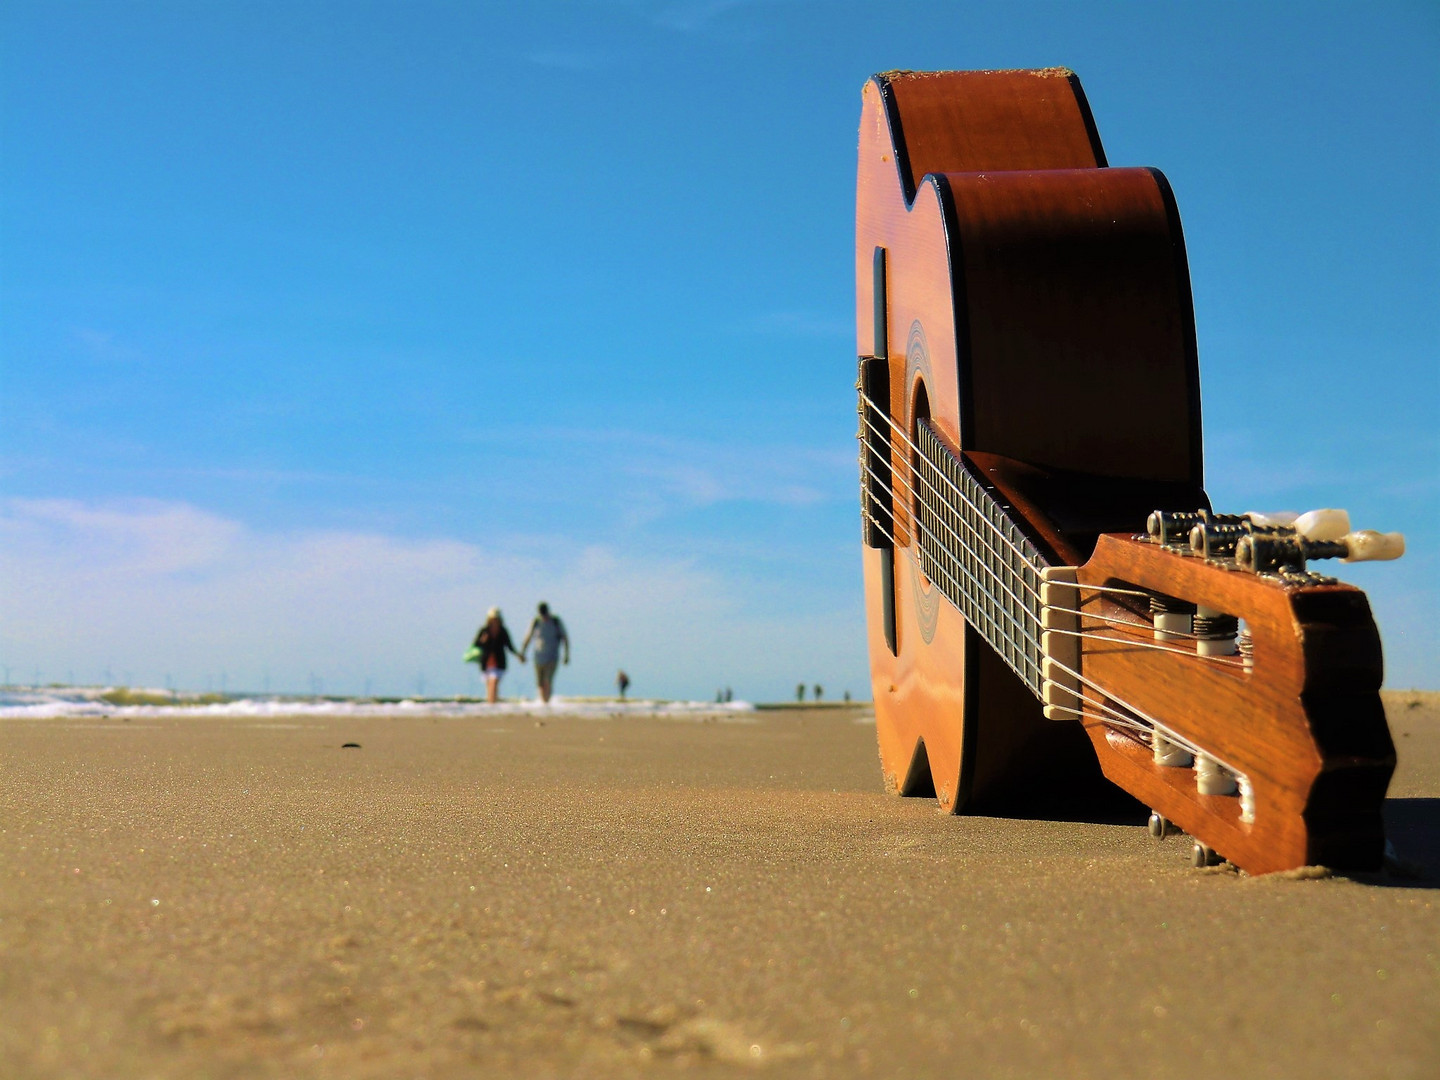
[[1228, 684]]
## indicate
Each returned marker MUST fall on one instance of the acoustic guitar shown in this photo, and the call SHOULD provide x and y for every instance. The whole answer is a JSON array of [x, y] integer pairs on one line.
[[1051, 604]]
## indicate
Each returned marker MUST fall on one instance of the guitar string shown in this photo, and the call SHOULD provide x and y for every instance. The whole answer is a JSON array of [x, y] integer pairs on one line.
[[1003, 611], [1114, 621], [1089, 633], [1096, 710], [1084, 631], [1030, 650], [974, 554], [915, 448], [1092, 588], [910, 443], [1109, 717], [1155, 726], [997, 554], [1114, 718], [960, 563], [1021, 628], [1000, 556], [969, 548]]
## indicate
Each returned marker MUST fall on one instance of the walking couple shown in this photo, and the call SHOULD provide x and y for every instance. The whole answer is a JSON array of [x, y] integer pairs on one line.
[[491, 643]]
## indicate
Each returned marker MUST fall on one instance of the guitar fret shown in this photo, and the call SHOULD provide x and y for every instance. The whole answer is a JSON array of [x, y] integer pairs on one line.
[[977, 557]]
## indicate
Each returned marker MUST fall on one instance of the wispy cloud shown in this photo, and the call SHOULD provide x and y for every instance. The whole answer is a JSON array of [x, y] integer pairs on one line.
[[648, 468], [713, 483], [691, 16], [103, 345], [799, 324], [161, 588], [698, 473]]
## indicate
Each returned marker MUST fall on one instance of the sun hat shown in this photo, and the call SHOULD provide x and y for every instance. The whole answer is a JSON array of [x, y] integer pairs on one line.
[[493, 613]]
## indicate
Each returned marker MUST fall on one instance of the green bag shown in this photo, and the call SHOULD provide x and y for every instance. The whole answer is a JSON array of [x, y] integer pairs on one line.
[[472, 654]]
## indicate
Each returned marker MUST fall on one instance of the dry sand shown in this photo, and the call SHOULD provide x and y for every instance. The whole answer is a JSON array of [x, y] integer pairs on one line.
[[592, 898]]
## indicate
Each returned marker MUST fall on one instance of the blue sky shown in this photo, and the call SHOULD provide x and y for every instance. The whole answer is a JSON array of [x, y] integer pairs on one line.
[[325, 326]]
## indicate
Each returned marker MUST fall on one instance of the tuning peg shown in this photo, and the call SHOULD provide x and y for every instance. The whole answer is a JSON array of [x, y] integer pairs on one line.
[[1323, 524], [1265, 553], [1172, 526], [1216, 535], [1367, 545], [1273, 519]]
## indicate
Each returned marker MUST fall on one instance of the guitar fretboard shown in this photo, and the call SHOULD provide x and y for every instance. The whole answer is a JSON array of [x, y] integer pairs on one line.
[[975, 554]]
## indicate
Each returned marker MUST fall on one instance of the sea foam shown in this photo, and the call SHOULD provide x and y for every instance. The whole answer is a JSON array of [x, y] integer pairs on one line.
[[51, 703]]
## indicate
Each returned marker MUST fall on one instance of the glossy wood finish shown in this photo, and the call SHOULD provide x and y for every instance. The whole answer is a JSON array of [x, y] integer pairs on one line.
[[1065, 511], [1032, 297], [1080, 351], [1305, 725], [1038, 315]]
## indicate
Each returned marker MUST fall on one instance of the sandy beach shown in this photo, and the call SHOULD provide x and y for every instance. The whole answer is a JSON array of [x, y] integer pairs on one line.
[[638, 896]]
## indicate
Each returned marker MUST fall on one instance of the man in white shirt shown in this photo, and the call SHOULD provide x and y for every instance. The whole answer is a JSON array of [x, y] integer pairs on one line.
[[548, 633]]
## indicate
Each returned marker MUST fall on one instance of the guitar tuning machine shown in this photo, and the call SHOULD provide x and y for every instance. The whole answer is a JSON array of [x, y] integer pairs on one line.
[[1170, 528], [1216, 536], [1215, 539], [1205, 533], [1275, 544], [1269, 554]]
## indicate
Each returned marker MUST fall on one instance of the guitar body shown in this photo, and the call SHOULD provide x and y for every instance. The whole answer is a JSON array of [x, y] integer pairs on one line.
[[1027, 289], [1031, 308]]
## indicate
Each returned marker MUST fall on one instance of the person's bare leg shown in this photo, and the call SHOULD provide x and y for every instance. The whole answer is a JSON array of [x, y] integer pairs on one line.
[[492, 688]]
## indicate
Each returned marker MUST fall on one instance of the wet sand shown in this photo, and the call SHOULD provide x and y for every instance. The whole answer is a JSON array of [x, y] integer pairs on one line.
[[640, 897]]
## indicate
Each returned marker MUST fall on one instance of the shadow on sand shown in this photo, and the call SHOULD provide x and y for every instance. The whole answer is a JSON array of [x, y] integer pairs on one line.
[[1412, 827]]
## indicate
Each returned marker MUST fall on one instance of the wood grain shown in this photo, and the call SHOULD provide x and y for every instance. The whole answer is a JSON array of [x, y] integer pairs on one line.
[[1039, 317], [919, 133], [1305, 725]]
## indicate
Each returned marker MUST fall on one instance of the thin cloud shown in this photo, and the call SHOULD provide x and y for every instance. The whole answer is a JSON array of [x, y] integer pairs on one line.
[[800, 324], [692, 16], [102, 345], [167, 588], [692, 472]]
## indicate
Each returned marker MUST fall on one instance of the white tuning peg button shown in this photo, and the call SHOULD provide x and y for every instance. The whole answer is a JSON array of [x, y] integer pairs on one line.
[[1367, 545], [1278, 517], [1323, 524]]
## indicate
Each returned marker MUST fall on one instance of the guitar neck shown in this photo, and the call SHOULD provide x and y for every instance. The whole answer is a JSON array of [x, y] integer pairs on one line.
[[974, 551]]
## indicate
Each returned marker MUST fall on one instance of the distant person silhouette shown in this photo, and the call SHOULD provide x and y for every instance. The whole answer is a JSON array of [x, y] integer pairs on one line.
[[819, 691], [622, 683], [800, 691], [492, 641], [548, 633]]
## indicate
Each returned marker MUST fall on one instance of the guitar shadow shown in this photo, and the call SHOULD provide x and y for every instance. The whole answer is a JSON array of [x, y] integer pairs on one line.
[[1097, 803], [1413, 828]]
